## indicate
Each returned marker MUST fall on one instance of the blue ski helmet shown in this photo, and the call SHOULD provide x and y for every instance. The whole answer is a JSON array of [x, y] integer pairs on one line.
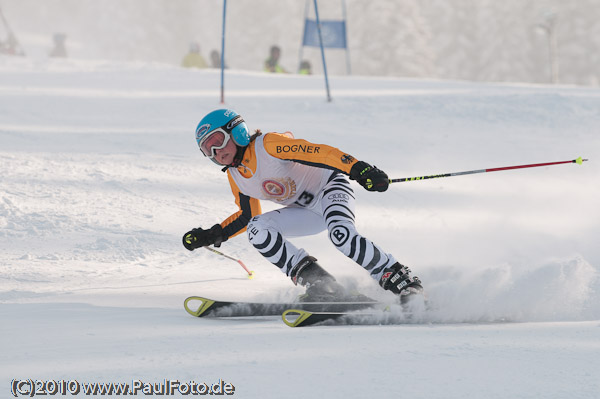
[[229, 121]]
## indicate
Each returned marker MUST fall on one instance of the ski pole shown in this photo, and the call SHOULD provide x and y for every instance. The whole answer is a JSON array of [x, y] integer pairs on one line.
[[250, 273], [470, 172]]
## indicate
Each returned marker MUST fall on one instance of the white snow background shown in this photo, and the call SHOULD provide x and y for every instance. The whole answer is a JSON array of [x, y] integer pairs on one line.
[[100, 176]]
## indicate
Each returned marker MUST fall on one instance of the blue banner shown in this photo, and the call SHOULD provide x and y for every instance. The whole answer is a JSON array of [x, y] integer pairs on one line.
[[332, 32]]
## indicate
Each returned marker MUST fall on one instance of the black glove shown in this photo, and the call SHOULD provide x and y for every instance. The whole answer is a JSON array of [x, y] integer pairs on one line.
[[369, 177], [197, 238]]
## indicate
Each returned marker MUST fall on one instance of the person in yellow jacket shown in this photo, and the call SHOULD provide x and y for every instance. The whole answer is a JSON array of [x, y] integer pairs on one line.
[[272, 63], [194, 59], [310, 182], [305, 68]]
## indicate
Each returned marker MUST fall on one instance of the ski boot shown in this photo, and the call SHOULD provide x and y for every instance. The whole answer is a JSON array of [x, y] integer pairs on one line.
[[320, 285], [397, 279]]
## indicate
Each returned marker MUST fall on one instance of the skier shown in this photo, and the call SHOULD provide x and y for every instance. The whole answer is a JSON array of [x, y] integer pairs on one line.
[[310, 181]]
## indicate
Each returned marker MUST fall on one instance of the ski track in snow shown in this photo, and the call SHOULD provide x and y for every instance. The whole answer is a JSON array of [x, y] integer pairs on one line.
[[100, 177]]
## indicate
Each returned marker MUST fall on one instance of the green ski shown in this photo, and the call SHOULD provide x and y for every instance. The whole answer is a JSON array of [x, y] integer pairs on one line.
[[202, 307]]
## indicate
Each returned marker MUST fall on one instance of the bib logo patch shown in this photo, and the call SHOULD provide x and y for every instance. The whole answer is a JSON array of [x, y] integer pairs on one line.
[[279, 189], [273, 188]]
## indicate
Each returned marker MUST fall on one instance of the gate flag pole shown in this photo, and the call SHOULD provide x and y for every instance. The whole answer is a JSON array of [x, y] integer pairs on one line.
[[322, 51], [223, 55]]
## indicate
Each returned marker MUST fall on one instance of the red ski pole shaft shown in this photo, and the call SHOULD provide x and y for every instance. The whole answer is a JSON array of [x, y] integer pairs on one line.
[[250, 273], [471, 172]]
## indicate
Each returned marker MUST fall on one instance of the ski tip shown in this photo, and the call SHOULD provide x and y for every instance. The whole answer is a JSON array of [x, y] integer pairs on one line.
[[295, 317], [580, 160], [204, 305]]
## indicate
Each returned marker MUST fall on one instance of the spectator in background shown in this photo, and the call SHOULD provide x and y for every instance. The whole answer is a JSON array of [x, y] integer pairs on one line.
[[215, 59], [193, 59], [272, 63], [11, 46], [59, 50], [305, 68]]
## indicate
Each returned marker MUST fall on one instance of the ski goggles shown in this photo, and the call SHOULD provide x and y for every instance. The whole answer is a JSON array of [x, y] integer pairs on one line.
[[218, 138], [215, 140]]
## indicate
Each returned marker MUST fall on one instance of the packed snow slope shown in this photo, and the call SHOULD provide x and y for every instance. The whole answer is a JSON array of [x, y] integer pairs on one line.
[[100, 176]]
